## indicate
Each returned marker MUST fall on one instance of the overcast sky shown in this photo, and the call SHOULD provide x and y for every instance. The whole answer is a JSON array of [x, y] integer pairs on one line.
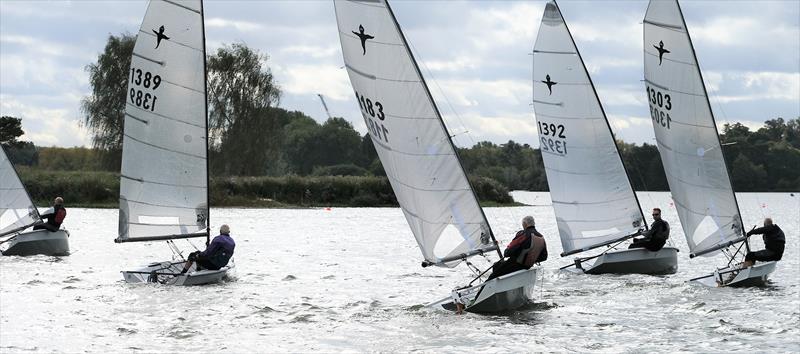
[[474, 55]]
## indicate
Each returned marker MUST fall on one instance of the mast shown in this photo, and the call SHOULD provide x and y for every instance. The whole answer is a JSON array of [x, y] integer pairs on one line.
[[444, 127], [205, 99], [608, 125]]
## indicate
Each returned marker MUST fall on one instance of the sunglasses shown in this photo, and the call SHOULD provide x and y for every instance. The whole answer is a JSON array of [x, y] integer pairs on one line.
[[656, 214]]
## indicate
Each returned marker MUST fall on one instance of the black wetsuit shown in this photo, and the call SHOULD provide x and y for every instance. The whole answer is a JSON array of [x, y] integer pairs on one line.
[[774, 242], [654, 238]]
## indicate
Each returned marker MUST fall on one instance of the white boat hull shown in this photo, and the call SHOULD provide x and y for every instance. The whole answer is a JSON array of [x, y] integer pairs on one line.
[[170, 273], [757, 275], [504, 293], [636, 261], [39, 242]]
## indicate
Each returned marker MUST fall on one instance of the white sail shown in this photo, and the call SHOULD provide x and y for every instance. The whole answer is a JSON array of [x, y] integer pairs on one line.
[[592, 196], [163, 182], [17, 211], [409, 135], [686, 132]]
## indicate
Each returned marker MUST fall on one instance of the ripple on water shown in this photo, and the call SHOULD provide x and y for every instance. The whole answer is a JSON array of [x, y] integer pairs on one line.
[[181, 333], [305, 318], [264, 310], [126, 331], [71, 279]]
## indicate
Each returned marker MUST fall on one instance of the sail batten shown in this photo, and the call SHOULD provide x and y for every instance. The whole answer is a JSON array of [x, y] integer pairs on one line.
[[409, 135], [593, 199], [17, 211], [686, 133], [164, 175]]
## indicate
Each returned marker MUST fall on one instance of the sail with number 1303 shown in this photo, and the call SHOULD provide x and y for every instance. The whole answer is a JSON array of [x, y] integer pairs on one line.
[[690, 149]]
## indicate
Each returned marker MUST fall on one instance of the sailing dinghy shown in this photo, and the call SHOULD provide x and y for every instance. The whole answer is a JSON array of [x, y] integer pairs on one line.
[[164, 177], [17, 213], [593, 200], [690, 149], [419, 157]]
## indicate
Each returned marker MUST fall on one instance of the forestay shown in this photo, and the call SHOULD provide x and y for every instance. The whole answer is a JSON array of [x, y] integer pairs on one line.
[[163, 183], [17, 211], [409, 135], [592, 196], [686, 133]]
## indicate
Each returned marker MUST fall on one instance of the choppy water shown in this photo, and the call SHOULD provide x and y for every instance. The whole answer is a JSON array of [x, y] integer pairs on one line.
[[349, 279]]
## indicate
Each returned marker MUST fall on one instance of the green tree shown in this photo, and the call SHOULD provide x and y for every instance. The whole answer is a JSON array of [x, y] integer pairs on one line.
[[243, 129], [10, 130], [104, 108], [19, 152], [747, 176]]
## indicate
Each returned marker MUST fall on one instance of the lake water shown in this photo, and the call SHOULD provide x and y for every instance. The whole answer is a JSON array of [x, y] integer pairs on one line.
[[349, 279]]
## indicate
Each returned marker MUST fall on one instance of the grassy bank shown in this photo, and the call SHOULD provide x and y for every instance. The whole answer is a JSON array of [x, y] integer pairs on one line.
[[100, 189]]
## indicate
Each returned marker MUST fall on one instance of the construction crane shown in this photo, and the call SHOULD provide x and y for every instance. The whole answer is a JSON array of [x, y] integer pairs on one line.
[[322, 99]]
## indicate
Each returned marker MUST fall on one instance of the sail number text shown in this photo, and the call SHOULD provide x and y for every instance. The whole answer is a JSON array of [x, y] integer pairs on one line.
[[552, 138], [143, 80], [372, 109], [660, 106]]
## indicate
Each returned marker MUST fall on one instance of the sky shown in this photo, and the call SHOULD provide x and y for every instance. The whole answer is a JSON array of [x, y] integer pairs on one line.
[[473, 54]]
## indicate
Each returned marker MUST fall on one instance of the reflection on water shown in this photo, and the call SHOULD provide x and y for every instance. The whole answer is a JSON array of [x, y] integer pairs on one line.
[[349, 279]]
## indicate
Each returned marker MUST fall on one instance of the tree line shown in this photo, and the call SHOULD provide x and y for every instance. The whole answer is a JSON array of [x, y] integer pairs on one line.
[[251, 136]]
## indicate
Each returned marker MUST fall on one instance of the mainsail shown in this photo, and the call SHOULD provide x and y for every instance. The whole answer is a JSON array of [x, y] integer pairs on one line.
[[17, 211], [409, 135], [164, 177], [593, 199], [686, 133]]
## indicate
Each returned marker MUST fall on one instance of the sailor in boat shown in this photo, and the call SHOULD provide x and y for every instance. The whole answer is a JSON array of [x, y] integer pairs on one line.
[[774, 241], [527, 248], [216, 255], [655, 238], [54, 218]]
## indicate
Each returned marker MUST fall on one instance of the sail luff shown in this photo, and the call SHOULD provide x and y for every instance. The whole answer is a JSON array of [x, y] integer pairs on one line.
[[205, 114], [444, 126], [608, 125]]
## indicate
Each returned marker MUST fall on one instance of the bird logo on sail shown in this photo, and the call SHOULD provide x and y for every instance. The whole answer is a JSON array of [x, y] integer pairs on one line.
[[160, 35], [661, 51], [364, 37], [549, 84]]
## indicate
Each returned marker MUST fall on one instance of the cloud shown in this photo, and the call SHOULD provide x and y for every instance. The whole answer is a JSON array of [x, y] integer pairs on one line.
[[241, 26], [305, 79], [485, 94], [755, 86], [312, 51], [46, 126], [457, 65], [741, 31]]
